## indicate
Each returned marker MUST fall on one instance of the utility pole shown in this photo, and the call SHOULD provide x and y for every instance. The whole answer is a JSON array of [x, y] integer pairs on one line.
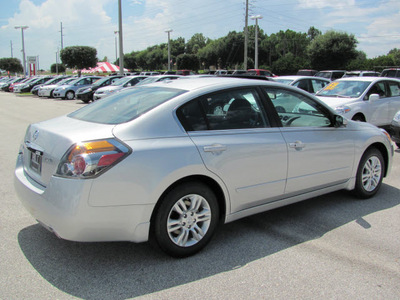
[[121, 51], [169, 48], [11, 49], [23, 45], [62, 42], [246, 33]]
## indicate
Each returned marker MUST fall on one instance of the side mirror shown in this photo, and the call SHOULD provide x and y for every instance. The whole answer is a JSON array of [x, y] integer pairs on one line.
[[340, 121], [373, 97]]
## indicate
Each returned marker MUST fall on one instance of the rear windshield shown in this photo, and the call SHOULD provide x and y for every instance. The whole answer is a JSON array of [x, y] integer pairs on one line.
[[126, 105]]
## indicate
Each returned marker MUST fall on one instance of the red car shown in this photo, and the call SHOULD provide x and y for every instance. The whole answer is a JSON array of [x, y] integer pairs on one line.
[[260, 72]]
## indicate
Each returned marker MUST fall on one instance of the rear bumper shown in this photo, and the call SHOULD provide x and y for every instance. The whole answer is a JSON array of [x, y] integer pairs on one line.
[[63, 208]]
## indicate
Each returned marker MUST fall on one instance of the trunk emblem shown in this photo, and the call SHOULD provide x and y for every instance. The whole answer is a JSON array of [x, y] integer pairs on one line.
[[35, 135]]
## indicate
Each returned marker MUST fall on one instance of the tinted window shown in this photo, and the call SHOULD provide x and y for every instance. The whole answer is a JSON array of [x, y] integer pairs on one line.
[[233, 109], [296, 110]]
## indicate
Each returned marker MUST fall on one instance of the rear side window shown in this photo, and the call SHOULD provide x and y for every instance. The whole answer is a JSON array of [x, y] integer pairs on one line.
[[232, 109], [125, 106]]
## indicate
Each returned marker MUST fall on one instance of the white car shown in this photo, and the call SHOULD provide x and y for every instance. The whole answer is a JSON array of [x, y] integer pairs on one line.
[[369, 99], [118, 85], [310, 84]]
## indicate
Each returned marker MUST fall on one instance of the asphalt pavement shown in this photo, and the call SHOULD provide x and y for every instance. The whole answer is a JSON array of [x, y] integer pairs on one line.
[[329, 247]]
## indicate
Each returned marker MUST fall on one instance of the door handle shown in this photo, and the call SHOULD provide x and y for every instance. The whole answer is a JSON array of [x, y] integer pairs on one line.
[[214, 148], [298, 145]]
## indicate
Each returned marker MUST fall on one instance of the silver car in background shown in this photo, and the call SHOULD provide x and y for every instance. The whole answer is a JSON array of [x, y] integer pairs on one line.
[[47, 90], [172, 160]]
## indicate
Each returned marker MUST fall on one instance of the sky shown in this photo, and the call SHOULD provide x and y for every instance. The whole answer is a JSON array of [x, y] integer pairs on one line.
[[374, 23]]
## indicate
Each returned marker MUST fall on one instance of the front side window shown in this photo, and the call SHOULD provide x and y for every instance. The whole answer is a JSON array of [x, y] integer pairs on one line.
[[233, 109], [394, 88], [378, 88], [296, 110]]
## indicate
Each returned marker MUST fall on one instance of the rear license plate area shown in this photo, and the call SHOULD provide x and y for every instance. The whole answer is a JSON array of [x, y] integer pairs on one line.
[[36, 161]]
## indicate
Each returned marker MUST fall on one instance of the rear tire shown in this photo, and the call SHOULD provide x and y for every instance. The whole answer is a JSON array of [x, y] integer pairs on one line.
[[369, 174], [186, 219]]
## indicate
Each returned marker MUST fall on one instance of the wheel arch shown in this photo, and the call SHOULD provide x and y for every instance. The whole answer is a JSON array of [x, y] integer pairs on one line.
[[383, 150], [359, 116], [211, 183]]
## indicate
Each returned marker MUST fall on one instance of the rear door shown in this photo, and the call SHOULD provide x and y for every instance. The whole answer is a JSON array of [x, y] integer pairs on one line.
[[237, 143]]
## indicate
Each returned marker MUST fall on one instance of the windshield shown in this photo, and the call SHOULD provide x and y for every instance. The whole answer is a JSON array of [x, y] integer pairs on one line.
[[121, 81], [125, 106], [284, 81], [65, 81], [101, 81], [344, 89], [148, 80]]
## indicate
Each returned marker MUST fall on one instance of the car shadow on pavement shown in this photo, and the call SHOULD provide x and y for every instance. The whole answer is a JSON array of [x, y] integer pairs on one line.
[[123, 270]]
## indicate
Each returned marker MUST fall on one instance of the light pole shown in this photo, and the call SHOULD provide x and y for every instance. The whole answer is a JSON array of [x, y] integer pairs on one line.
[[169, 48], [121, 50], [256, 41], [116, 47], [23, 45]]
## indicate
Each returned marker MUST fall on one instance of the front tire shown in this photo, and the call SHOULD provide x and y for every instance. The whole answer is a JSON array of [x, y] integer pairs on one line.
[[186, 219], [70, 95], [369, 174]]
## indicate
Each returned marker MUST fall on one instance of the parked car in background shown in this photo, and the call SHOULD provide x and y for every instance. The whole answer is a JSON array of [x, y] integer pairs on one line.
[[369, 99], [310, 84], [260, 72], [395, 129], [86, 93], [120, 84], [47, 90], [158, 78], [361, 73], [331, 74], [68, 91], [14, 88], [221, 72], [392, 72], [149, 73], [306, 72], [28, 86], [5, 86], [52, 80], [185, 72], [156, 161]]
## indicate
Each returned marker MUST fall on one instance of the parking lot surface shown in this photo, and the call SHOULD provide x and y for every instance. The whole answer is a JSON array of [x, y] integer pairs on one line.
[[329, 247]]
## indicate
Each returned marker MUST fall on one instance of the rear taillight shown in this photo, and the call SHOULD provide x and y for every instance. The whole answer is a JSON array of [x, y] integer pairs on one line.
[[89, 159]]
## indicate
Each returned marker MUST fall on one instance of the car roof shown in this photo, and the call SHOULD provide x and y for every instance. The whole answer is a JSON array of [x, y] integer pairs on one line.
[[295, 77], [191, 84], [367, 79]]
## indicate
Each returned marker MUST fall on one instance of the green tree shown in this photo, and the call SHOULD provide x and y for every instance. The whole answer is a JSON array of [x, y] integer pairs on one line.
[[57, 67], [332, 50], [12, 65], [79, 57], [196, 42], [187, 62]]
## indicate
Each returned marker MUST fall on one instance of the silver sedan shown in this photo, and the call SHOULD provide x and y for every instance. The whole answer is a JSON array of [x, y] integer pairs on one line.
[[172, 160]]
